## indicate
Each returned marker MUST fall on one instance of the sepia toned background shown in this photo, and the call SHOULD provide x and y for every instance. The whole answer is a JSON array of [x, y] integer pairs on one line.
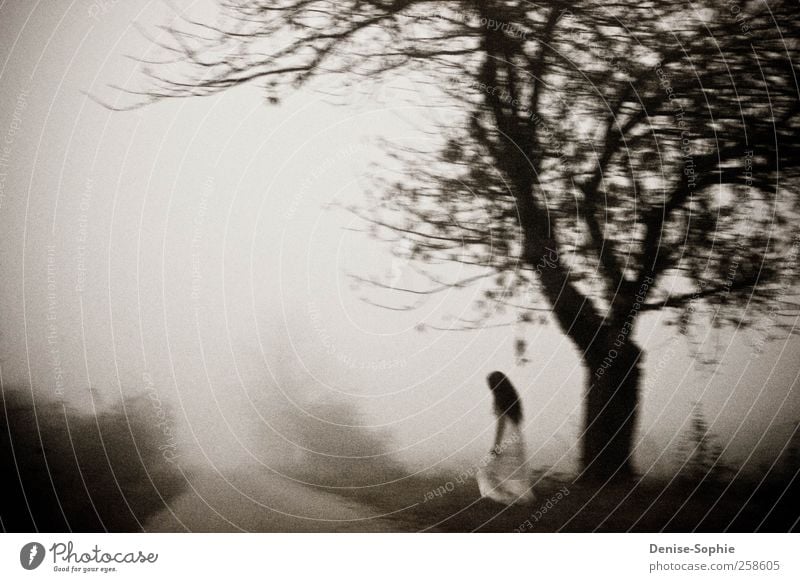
[[197, 271]]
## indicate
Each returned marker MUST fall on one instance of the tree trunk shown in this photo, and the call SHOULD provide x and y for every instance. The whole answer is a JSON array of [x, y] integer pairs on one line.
[[611, 404], [610, 356]]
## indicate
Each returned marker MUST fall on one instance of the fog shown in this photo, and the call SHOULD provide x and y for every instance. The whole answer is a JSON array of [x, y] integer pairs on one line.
[[201, 254]]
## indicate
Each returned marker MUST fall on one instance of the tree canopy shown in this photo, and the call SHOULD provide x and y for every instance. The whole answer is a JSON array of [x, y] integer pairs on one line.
[[615, 157]]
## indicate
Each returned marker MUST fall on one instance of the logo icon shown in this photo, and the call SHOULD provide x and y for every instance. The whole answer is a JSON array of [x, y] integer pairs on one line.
[[31, 555]]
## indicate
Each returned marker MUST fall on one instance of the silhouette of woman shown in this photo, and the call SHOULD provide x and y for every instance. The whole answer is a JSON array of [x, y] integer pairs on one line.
[[505, 478]]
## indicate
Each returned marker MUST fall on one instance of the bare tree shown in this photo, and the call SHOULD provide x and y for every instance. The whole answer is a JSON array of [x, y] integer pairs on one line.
[[614, 158]]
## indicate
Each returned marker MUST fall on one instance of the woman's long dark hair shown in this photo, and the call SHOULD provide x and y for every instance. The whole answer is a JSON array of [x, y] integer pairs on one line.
[[506, 399]]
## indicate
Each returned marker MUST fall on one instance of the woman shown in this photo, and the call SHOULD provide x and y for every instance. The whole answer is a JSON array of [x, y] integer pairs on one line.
[[505, 478]]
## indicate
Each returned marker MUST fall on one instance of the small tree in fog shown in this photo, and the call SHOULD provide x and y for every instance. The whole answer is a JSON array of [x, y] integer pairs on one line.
[[700, 451]]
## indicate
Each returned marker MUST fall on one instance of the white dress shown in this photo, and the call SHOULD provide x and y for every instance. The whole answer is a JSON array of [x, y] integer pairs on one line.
[[505, 476]]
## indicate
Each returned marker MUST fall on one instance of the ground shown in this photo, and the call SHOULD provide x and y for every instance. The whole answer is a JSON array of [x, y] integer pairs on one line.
[[745, 504]]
